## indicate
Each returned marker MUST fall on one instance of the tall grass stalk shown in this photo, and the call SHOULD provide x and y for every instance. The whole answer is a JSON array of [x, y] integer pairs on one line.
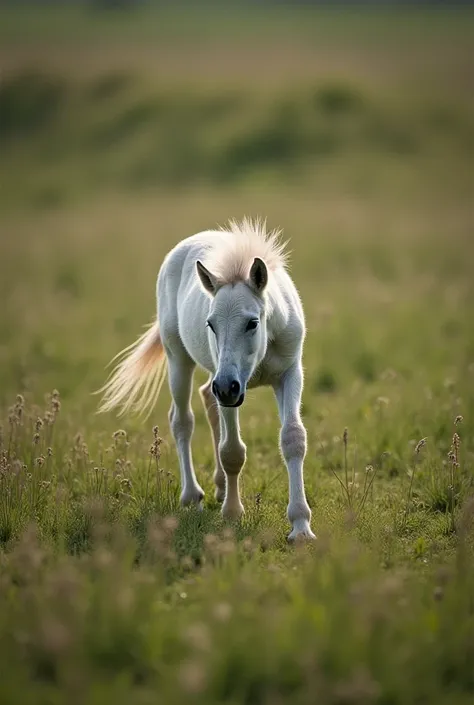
[[418, 448]]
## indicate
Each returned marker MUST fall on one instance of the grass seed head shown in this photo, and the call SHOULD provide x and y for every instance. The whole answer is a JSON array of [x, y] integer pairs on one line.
[[48, 418], [345, 436], [120, 433], [19, 406], [55, 403], [420, 445]]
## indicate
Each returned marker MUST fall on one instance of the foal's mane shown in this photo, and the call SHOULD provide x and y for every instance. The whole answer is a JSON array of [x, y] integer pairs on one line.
[[231, 255]]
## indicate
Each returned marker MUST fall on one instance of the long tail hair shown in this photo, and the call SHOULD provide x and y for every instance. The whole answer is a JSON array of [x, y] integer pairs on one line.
[[135, 382]]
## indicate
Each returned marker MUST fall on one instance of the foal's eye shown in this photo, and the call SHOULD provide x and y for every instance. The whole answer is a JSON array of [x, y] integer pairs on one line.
[[209, 325], [252, 324]]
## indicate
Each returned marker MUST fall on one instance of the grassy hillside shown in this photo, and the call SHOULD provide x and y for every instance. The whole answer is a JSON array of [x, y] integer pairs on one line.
[[122, 134]]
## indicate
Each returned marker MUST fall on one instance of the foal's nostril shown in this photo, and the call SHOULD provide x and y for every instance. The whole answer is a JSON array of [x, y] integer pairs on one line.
[[227, 394]]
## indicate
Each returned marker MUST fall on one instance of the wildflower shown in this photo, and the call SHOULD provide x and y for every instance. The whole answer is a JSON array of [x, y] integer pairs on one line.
[[458, 419]]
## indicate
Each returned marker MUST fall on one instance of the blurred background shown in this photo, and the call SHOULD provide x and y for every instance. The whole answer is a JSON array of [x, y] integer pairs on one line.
[[127, 125]]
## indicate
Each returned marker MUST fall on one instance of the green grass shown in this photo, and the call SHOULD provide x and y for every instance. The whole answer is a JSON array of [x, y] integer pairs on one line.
[[109, 591]]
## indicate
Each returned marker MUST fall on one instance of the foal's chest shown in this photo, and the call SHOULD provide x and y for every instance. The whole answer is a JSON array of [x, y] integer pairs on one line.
[[272, 366]]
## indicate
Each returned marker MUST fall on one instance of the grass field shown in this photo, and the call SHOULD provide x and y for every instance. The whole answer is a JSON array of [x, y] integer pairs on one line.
[[122, 134]]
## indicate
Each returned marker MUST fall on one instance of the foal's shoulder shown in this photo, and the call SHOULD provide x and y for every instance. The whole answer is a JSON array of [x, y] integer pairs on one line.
[[287, 310]]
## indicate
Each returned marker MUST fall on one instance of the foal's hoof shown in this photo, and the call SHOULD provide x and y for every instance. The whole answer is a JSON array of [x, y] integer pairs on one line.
[[301, 533], [192, 498]]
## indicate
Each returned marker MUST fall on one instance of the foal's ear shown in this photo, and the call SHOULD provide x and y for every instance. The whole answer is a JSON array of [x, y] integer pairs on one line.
[[258, 275], [208, 280]]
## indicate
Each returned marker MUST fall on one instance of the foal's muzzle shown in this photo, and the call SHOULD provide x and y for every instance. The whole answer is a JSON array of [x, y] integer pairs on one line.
[[228, 392]]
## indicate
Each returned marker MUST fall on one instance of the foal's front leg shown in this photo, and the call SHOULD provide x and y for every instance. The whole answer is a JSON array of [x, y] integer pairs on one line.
[[210, 404], [293, 446], [181, 418], [232, 453]]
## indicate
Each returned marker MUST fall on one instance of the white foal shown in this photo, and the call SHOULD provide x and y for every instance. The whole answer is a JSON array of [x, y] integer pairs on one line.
[[227, 304]]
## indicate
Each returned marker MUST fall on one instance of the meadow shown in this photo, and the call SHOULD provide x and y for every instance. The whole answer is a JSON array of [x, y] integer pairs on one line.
[[121, 134]]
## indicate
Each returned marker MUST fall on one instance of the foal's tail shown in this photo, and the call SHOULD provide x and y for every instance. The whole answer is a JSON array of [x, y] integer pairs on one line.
[[135, 383]]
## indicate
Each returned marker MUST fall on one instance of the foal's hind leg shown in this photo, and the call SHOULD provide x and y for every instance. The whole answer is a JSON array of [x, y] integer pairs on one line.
[[181, 418], [212, 412]]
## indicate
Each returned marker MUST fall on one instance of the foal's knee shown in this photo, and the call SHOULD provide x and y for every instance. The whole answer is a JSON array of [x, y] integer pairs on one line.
[[232, 457], [293, 440], [181, 422]]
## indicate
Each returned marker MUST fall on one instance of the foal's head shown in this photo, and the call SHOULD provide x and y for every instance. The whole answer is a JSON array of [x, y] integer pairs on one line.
[[237, 329]]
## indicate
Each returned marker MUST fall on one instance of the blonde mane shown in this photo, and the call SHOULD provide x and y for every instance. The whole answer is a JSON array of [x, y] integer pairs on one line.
[[231, 256]]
